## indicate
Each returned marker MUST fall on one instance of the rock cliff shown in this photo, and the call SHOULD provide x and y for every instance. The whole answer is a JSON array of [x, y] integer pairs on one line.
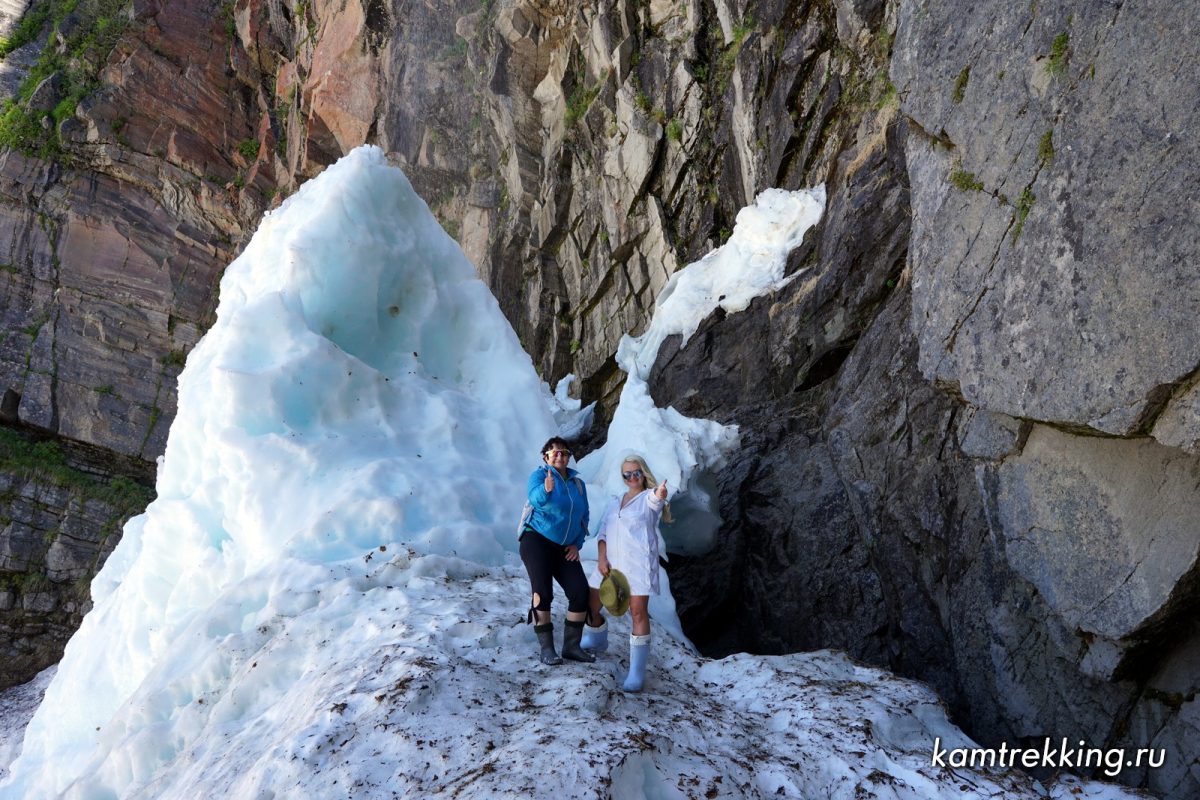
[[981, 494], [968, 428]]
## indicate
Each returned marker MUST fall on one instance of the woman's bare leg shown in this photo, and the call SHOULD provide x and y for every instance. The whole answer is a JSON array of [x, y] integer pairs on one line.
[[595, 618], [539, 617], [639, 609]]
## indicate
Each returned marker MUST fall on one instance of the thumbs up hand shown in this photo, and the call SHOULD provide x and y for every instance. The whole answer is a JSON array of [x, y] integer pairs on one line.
[[661, 491], [549, 485]]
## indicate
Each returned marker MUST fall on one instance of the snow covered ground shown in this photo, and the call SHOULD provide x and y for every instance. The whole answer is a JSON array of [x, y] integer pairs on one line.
[[435, 691], [324, 599]]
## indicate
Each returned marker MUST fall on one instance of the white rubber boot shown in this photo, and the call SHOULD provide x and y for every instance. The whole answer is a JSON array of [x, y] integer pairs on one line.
[[595, 639], [639, 654]]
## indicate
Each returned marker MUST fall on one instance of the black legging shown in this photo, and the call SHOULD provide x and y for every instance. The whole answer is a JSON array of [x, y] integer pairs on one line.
[[544, 560]]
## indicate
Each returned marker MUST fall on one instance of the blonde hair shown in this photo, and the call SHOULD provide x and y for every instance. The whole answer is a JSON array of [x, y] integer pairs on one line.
[[648, 477]]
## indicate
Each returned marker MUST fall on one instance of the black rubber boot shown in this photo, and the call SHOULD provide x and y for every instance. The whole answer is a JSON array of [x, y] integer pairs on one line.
[[545, 634], [572, 633]]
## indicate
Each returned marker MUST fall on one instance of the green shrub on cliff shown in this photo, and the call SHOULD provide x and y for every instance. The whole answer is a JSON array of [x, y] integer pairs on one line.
[[675, 130], [27, 29], [44, 461], [248, 148], [581, 100], [960, 84], [1024, 206], [175, 358], [1046, 147], [965, 181], [32, 582], [1059, 50], [75, 53], [728, 59]]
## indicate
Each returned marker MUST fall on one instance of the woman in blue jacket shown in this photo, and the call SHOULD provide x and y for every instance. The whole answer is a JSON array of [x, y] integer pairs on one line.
[[550, 542]]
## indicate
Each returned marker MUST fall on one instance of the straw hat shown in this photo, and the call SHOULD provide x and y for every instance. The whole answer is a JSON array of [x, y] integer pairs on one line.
[[614, 593]]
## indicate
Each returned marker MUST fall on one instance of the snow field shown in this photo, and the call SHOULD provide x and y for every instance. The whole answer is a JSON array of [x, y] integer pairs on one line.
[[416, 677]]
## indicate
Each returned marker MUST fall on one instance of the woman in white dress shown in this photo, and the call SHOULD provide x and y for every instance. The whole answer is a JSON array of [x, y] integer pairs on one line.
[[628, 541]]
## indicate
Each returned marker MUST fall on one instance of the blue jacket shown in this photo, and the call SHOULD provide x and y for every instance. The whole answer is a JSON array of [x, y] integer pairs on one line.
[[561, 515]]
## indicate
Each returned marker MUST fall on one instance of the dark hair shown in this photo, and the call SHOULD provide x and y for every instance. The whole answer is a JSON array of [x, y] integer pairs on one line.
[[551, 442]]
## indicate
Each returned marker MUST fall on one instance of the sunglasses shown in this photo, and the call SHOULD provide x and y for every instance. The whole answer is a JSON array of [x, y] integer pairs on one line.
[[633, 473], [552, 453]]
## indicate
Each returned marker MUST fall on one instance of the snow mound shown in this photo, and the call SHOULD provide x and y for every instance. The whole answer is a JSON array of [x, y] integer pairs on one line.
[[360, 387]]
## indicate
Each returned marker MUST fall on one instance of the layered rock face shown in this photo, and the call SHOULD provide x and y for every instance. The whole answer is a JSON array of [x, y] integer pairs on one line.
[[62, 514], [968, 427], [1053, 282], [113, 242]]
